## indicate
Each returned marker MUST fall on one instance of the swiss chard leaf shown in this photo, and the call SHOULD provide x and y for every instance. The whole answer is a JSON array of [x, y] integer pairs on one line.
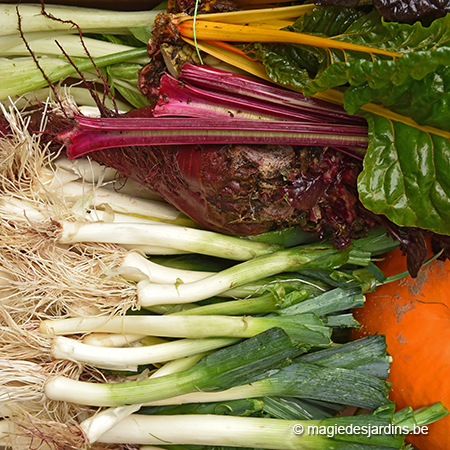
[[406, 166], [405, 175], [426, 101], [423, 51]]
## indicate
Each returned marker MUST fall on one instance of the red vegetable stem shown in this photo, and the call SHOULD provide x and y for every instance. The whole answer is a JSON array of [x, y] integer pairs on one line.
[[217, 80], [179, 99], [99, 133]]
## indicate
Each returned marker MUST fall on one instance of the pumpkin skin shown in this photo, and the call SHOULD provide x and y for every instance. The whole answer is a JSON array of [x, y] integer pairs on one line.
[[414, 314]]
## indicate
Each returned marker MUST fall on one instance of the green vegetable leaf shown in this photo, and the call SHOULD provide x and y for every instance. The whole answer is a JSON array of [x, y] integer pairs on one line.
[[406, 166], [240, 407], [413, 82], [421, 51], [426, 100], [405, 175], [143, 34]]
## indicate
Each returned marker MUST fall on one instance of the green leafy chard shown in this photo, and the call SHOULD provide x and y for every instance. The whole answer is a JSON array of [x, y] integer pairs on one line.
[[405, 175], [404, 100]]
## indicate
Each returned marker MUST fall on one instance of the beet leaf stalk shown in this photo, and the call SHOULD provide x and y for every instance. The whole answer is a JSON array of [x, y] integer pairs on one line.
[[92, 134], [240, 97], [213, 81], [218, 31], [241, 111]]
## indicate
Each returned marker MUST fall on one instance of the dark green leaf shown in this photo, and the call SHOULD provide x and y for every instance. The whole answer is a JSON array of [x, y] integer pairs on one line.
[[243, 407], [405, 175]]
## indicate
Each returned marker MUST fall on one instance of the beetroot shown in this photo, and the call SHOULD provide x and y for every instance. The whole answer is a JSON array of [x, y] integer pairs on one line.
[[249, 189]]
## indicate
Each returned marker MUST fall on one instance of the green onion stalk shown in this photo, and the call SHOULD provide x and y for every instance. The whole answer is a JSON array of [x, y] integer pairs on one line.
[[382, 429], [239, 364], [315, 256]]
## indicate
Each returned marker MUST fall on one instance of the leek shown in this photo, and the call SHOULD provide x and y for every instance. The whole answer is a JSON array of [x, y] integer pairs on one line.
[[182, 238], [253, 432], [305, 328], [322, 255], [307, 381], [350, 374], [240, 363], [275, 295]]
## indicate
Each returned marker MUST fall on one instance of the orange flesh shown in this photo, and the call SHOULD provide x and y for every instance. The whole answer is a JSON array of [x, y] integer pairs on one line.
[[414, 314]]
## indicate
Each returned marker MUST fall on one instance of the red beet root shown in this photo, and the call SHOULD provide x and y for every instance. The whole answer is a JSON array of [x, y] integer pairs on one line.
[[247, 190]]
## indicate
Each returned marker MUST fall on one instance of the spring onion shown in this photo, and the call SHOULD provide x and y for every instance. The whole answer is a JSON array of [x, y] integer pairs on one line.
[[304, 328], [240, 363], [252, 432], [293, 259]]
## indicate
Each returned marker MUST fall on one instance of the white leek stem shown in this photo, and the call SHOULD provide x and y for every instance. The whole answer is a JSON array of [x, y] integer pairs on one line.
[[150, 447], [92, 172], [21, 209], [78, 392], [235, 393], [182, 326], [100, 423], [129, 358], [121, 203], [87, 170], [111, 340], [95, 426], [178, 365], [156, 273], [150, 294], [154, 250], [106, 214], [181, 238], [211, 430]]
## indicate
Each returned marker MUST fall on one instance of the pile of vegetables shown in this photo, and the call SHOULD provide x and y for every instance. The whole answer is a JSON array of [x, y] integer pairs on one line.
[[194, 265], [101, 346]]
